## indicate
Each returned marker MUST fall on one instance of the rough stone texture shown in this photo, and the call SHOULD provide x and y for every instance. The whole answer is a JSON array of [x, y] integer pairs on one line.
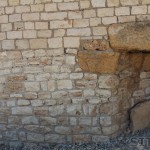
[[146, 64], [97, 62], [139, 116], [95, 45], [130, 36], [45, 95]]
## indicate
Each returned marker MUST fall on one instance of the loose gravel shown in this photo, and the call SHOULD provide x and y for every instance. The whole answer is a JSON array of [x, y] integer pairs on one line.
[[125, 141]]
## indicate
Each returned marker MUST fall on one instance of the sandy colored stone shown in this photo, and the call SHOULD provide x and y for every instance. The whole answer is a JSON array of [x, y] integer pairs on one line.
[[146, 64], [97, 62], [140, 116], [17, 78], [95, 45], [14, 86], [130, 36]]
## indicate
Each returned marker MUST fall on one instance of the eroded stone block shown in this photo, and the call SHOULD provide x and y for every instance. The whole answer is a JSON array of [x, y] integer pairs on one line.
[[98, 62], [130, 36]]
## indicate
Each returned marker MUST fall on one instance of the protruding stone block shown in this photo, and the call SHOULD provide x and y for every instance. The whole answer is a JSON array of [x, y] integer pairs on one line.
[[98, 62], [130, 36]]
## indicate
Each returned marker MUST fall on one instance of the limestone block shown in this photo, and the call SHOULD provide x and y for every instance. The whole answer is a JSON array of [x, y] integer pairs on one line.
[[21, 111], [98, 3], [62, 130], [48, 121], [54, 138], [68, 6], [14, 86], [34, 137], [97, 62], [16, 78], [140, 116], [38, 43], [32, 86], [129, 2], [130, 36], [13, 2], [30, 120]]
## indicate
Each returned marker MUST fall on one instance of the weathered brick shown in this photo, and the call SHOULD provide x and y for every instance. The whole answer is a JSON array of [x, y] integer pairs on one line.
[[38, 43], [99, 31], [98, 3], [3, 3], [22, 9], [37, 8], [2, 36], [29, 34], [68, 6], [75, 15], [6, 27], [13, 2], [89, 13], [22, 44], [54, 16], [26, 2], [84, 4], [21, 111], [112, 3], [64, 84], [129, 2], [51, 7], [79, 32], [60, 24], [105, 12], [81, 23], [32, 86], [109, 20], [55, 42], [139, 10], [14, 34], [30, 17], [8, 44], [122, 11], [4, 19], [71, 42], [41, 25]]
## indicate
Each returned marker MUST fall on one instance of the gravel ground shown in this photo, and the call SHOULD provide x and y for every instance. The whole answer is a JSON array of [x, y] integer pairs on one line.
[[126, 141]]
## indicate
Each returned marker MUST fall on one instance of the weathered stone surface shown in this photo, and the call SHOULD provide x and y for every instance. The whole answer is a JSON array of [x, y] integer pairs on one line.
[[130, 36], [146, 64], [139, 116], [95, 45], [21, 111], [108, 81], [54, 138], [17, 78], [97, 62], [34, 137], [14, 86]]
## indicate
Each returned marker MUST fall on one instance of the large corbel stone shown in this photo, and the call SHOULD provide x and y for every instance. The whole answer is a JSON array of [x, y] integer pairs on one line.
[[98, 62], [130, 36]]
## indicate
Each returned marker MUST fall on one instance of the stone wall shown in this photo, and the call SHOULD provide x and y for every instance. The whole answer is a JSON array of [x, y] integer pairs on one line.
[[45, 93]]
